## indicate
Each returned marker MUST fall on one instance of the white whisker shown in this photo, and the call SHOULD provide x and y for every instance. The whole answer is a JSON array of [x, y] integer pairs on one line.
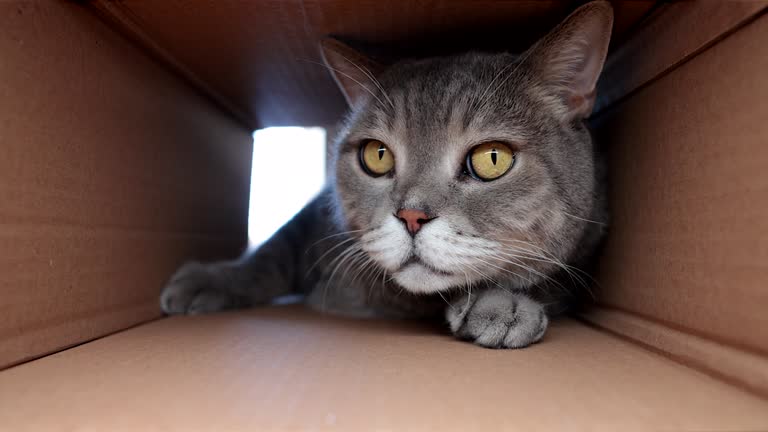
[[346, 75], [332, 236], [370, 76], [583, 219], [343, 257], [518, 64], [326, 254]]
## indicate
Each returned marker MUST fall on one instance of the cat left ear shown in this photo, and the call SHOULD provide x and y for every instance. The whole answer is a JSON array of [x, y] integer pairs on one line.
[[354, 73], [568, 61]]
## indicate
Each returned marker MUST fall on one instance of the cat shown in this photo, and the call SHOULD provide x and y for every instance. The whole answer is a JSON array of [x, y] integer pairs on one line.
[[466, 185]]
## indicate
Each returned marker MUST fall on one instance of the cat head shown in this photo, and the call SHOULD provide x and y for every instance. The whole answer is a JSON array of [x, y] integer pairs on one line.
[[455, 170]]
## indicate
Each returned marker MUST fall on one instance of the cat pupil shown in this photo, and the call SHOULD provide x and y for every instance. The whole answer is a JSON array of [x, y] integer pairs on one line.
[[493, 156], [381, 151]]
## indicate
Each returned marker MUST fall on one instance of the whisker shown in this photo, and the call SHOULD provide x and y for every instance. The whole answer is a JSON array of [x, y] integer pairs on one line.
[[569, 270], [583, 219], [485, 277], [469, 290], [531, 270], [518, 64], [346, 75], [370, 76], [332, 236], [326, 254], [359, 262], [374, 277], [509, 271], [348, 252], [445, 300], [559, 262], [481, 97]]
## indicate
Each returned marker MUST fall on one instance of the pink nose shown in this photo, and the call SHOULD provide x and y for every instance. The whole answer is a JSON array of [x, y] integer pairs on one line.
[[413, 219]]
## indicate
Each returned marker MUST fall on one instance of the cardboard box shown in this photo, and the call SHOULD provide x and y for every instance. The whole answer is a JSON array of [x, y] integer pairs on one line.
[[126, 149]]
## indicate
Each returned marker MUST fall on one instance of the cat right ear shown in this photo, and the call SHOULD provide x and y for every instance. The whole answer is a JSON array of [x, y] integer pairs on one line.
[[569, 59], [354, 73]]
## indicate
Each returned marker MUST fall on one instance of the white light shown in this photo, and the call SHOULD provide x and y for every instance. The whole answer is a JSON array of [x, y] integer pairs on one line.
[[288, 170]]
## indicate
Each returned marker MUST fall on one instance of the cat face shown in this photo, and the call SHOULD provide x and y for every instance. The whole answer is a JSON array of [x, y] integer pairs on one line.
[[457, 170]]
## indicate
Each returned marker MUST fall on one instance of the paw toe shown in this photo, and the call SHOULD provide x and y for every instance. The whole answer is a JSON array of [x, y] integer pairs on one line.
[[208, 301], [498, 319], [192, 289], [176, 298]]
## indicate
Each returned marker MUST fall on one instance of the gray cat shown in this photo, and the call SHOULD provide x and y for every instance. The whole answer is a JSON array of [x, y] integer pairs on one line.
[[466, 186]]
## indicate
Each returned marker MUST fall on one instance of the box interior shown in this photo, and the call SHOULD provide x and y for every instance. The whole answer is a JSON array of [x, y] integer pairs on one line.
[[126, 129], [286, 368]]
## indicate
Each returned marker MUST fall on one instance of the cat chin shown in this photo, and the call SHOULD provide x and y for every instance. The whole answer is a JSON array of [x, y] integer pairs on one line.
[[419, 279]]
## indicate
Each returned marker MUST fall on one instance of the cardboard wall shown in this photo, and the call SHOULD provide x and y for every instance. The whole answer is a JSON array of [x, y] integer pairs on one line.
[[112, 171], [262, 58], [687, 253]]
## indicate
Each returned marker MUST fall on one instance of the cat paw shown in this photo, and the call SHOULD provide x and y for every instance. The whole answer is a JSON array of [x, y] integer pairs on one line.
[[497, 318], [194, 289]]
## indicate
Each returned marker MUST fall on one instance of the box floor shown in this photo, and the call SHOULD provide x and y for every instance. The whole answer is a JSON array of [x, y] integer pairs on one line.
[[287, 368]]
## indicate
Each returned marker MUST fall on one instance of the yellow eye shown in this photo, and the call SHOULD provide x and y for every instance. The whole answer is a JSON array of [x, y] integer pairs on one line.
[[490, 160], [376, 158]]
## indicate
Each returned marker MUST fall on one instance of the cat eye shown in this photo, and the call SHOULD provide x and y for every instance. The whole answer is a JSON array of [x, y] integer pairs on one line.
[[376, 158], [490, 160]]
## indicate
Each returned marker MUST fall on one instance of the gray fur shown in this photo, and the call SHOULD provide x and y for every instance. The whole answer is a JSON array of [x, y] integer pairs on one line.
[[500, 254]]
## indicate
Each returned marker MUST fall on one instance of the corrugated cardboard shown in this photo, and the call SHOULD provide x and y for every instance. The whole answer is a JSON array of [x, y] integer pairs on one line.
[[673, 33], [112, 172], [262, 57], [288, 369], [688, 244]]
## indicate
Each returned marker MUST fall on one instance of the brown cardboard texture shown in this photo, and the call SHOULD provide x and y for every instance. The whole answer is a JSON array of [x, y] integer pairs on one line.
[[262, 59], [285, 368], [126, 149], [110, 168], [687, 249]]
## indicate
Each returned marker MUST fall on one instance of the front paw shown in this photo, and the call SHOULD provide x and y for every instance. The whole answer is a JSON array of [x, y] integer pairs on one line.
[[497, 318], [196, 288]]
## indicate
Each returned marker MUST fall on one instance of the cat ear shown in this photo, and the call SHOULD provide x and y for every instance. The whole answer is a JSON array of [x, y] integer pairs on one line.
[[569, 59], [354, 73]]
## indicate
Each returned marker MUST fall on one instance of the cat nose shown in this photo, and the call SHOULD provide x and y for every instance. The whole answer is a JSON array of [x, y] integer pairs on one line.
[[413, 219]]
